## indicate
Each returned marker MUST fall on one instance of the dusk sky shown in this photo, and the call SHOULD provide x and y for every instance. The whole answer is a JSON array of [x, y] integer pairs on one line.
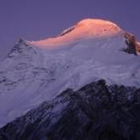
[[39, 19]]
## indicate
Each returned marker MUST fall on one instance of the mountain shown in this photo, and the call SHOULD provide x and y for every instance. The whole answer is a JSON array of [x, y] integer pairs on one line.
[[38, 71], [96, 111]]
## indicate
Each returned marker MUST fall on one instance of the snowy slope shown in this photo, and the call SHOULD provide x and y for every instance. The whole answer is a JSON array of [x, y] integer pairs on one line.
[[36, 71], [85, 29]]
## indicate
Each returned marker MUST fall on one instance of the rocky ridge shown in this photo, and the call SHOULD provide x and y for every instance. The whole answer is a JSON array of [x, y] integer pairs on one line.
[[96, 111]]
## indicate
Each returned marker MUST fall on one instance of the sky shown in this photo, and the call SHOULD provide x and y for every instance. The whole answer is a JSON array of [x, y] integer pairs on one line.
[[40, 19]]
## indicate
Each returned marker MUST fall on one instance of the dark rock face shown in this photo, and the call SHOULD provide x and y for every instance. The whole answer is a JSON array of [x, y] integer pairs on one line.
[[67, 31], [20, 48], [95, 112], [133, 47]]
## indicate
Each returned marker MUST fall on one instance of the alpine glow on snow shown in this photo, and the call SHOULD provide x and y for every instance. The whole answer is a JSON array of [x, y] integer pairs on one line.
[[36, 71]]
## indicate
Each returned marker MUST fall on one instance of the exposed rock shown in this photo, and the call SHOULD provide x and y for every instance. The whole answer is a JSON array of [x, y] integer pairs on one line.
[[67, 31], [133, 47], [96, 111], [20, 48]]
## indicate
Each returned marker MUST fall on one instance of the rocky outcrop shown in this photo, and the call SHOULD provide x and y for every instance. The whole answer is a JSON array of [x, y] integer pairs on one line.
[[133, 47], [96, 111]]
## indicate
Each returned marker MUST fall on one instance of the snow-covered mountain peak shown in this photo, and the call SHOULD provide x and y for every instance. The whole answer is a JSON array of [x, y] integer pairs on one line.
[[92, 49], [93, 28], [98, 27], [85, 29]]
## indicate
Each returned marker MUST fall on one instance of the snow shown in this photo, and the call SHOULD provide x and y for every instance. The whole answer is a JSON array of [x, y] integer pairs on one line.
[[87, 28], [91, 50]]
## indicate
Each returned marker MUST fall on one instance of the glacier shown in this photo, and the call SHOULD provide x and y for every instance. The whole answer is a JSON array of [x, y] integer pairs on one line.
[[37, 71]]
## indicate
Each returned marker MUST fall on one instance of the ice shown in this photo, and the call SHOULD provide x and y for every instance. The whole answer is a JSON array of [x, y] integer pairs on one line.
[[41, 70]]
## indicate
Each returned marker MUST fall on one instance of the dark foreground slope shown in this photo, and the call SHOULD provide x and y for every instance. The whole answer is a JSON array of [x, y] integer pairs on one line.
[[95, 112]]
